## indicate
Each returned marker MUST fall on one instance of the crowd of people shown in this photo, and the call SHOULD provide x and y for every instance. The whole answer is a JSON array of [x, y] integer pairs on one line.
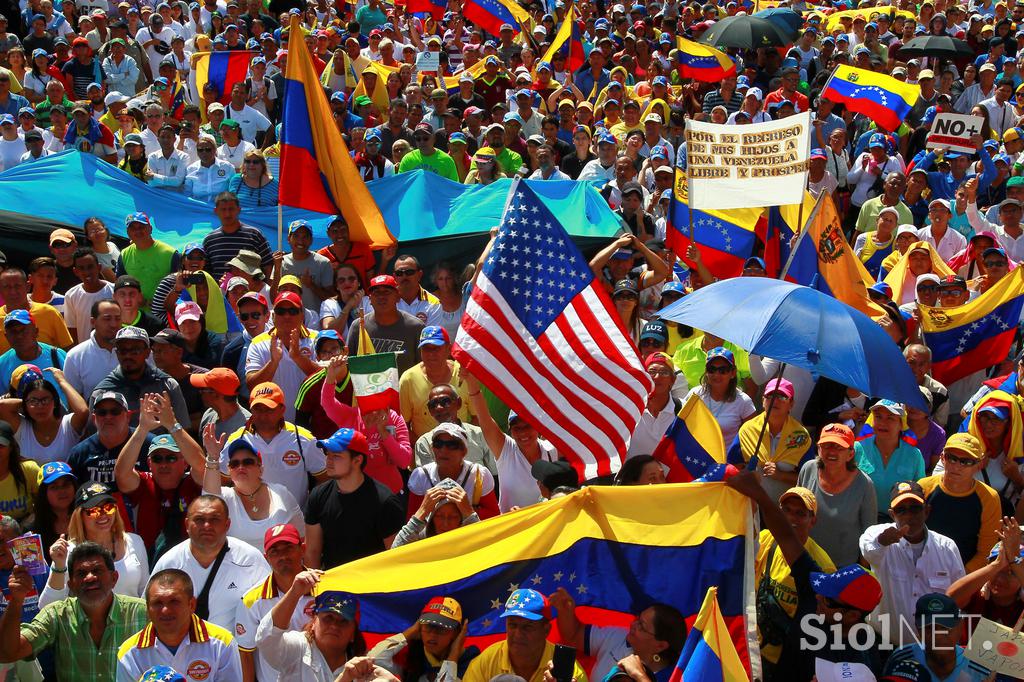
[[189, 482]]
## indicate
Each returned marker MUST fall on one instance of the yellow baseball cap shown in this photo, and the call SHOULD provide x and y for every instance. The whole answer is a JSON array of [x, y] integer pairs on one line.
[[805, 496], [965, 443]]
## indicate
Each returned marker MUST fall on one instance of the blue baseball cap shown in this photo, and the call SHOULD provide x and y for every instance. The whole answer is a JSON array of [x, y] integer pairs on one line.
[[990, 144], [372, 134], [433, 336], [673, 287], [513, 116], [51, 471], [296, 225], [544, 65], [192, 247], [162, 673], [601, 23], [1001, 413], [720, 352], [326, 335], [852, 585], [659, 152], [528, 604], [331, 602], [18, 317], [881, 288], [138, 217], [877, 140], [606, 138], [659, 80], [742, 82], [339, 96], [220, 40], [7, 118], [458, 136], [828, 40], [242, 444], [755, 261], [344, 439]]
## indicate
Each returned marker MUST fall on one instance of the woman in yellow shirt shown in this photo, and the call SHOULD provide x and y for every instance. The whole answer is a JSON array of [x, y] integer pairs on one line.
[[18, 477]]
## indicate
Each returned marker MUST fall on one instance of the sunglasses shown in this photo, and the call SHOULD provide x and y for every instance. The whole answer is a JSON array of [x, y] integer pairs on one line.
[[253, 162], [287, 311], [247, 462], [928, 288], [108, 413], [245, 317], [448, 444], [163, 459], [421, 138], [995, 264], [204, 149], [440, 402], [406, 272], [908, 509], [718, 369], [106, 508], [962, 461]]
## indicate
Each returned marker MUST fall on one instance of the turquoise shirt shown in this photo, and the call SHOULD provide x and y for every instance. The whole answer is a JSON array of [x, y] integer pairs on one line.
[[906, 464]]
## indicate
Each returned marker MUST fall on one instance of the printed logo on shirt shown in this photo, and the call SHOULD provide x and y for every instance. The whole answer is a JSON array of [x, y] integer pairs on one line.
[[239, 629], [232, 586], [198, 670], [221, 173], [308, 608], [422, 316], [291, 458]]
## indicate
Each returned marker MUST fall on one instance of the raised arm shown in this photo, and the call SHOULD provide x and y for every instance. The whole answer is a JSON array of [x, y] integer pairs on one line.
[[493, 434], [125, 475], [76, 403]]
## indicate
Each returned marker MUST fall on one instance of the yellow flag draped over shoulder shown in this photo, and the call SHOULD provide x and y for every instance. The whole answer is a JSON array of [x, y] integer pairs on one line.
[[317, 172], [900, 275], [822, 259]]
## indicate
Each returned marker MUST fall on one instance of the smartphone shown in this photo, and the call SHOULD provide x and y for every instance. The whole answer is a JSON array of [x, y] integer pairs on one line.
[[196, 278], [564, 662]]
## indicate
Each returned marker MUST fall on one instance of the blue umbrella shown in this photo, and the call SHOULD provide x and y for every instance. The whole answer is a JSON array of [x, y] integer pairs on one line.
[[803, 327], [786, 19]]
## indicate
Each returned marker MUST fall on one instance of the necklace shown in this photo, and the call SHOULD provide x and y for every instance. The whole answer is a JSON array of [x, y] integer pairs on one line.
[[252, 498]]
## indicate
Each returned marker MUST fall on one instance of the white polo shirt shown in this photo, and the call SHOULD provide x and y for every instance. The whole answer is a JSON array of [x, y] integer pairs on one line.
[[249, 120], [518, 486], [287, 458], [289, 377], [207, 653], [253, 607], [243, 567], [86, 364]]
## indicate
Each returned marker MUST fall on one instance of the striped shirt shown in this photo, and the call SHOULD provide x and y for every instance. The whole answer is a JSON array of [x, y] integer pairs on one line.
[[220, 247], [714, 99]]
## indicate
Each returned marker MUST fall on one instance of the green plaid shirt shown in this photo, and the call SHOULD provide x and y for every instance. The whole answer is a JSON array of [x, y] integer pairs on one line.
[[64, 627]]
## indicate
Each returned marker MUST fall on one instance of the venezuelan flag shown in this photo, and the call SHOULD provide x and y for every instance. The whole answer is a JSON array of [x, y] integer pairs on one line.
[[223, 69], [977, 334], [725, 238], [435, 8], [569, 40], [709, 653], [822, 259], [317, 172], [491, 14], [703, 62], [693, 445], [615, 549], [881, 98]]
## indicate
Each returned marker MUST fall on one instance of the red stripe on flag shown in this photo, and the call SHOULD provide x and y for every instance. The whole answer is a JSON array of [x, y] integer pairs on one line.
[[311, 196], [237, 71], [984, 355]]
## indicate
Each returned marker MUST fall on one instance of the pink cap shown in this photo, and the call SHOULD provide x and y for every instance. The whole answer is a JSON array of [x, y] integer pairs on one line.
[[187, 310], [779, 386]]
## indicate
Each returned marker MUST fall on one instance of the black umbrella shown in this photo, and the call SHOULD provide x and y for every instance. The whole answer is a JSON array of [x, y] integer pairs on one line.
[[745, 32], [936, 46]]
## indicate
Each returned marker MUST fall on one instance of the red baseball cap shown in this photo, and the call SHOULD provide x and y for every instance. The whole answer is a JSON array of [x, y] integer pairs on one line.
[[383, 281], [283, 532], [253, 296], [288, 297]]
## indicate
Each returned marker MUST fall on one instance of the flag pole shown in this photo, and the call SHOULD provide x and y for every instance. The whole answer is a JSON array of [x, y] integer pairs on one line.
[[689, 194], [280, 227]]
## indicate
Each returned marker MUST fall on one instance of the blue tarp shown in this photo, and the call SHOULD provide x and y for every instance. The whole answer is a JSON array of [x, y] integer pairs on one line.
[[70, 186]]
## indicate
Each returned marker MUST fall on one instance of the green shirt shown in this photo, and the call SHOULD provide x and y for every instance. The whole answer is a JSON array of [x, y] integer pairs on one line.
[[868, 217], [439, 162], [149, 266], [691, 359], [64, 627]]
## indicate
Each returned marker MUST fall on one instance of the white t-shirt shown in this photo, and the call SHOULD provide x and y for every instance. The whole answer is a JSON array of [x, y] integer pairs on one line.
[[288, 375], [78, 307], [58, 450], [283, 509], [608, 646], [234, 155], [11, 152], [146, 34], [729, 415], [518, 486], [249, 120]]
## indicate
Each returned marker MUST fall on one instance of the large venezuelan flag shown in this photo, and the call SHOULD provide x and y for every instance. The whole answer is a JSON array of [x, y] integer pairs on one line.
[[568, 40], [317, 172], [434, 8], [491, 14], [615, 549], [725, 238], [823, 259], [709, 654], [703, 62], [223, 69], [693, 443], [881, 98], [977, 334]]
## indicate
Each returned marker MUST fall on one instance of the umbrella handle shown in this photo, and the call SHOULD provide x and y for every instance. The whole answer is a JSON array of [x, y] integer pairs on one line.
[[752, 464]]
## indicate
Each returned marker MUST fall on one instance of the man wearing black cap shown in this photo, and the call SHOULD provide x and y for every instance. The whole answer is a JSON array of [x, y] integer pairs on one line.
[[34, 145], [632, 211], [128, 295], [615, 262], [939, 656], [168, 347], [554, 477]]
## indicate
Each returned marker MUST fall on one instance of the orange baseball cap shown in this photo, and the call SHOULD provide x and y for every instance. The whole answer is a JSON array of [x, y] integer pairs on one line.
[[267, 394], [840, 434], [220, 379]]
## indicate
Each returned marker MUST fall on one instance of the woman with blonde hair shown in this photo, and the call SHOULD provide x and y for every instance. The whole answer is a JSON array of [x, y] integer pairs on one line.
[[254, 186], [96, 518]]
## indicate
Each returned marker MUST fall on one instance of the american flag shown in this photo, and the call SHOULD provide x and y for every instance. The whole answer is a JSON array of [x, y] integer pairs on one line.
[[541, 334]]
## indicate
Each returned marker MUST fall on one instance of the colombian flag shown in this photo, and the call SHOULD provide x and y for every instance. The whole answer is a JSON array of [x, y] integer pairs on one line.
[[491, 14], [977, 334], [881, 98], [616, 550], [823, 260], [725, 238], [317, 173], [568, 40], [693, 445], [703, 62], [223, 69], [709, 654]]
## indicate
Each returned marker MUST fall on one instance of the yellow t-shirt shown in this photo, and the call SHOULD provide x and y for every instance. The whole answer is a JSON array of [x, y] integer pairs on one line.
[[17, 502], [780, 582], [413, 389], [494, 661], [48, 321]]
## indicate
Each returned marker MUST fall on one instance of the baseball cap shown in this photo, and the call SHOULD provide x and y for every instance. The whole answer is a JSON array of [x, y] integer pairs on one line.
[[528, 604], [755, 261], [905, 490], [876, 140], [554, 474], [187, 310], [881, 288], [965, 443], [779, 385], [62, 235], [18, 317], [102, 396], [852, 585], [164, 441], [344, 439], [1013, 134], [720, 352], [93, 494], [655, 329], [290, 298], [453, 430], [926, 277], [624, 286], [253, 296], [282, 532], [891, 406], [939, 202], [994, 250], [332, 602], [267, 394], [805, 496], [818, 153], [938, 609], [433, 336], [169, 336], [840, 434], [127, 282], [673, 287], [51, 471], [443, 612], [953, 282], [295, 225], [383, 281], [220, 379], [326, 335], [137, 217], [130, 333], [162, 673]]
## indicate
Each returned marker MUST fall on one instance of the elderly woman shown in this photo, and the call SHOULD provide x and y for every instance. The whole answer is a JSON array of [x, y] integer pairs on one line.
[[885, 456], [254, 186], [845, 495]]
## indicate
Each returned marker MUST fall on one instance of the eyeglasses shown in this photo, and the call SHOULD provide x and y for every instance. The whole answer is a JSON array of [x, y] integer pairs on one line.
[[39, 402], [962, 461], [642, 627], [448, 444], [908, 509], [287, 311], [163, 459], [928, 288], [718, 369], [247, 462], [106, 508], [245, 317], [253, 162], [406, 272], [114, 412], [995, 264], [443, 401], [660, 373]]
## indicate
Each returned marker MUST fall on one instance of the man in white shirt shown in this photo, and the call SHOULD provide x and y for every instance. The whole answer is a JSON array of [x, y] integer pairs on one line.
[[908, 559], [546, 168], [150, 134], [156, 41], [947, 241], [209, 176], [240, 567], [1008, 230], [250, 120], [169, 165], [603, 167], [1000, 112], [12, 145], [79, 299], [92, 359]]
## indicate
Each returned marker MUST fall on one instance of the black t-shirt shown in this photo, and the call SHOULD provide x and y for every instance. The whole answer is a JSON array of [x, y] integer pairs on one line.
[[354, 524], [572, 165], [66, 279], [91, 460]]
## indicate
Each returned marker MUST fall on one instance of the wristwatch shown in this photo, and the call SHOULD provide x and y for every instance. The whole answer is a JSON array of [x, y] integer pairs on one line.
[[177, 427]]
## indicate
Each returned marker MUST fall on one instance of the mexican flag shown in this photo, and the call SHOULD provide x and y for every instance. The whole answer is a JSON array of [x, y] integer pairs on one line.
[[374, 381]]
